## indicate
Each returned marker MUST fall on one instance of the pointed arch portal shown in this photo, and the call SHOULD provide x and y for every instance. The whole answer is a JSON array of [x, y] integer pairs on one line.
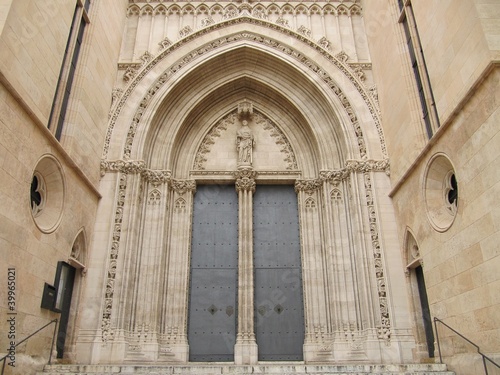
[[289, 139]]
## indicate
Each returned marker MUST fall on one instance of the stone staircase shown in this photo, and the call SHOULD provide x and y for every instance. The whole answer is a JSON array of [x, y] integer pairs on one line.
[[264, 369]]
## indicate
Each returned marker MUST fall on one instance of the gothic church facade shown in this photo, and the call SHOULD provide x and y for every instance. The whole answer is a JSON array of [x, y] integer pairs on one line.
[[249, 182]]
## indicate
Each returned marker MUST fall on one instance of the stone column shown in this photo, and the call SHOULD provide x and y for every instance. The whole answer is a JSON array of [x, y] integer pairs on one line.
[[245, 350], [315, 305], [174, 343]]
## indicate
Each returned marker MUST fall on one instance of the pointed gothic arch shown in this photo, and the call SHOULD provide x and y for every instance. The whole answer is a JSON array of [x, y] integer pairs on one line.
[[306, 101]]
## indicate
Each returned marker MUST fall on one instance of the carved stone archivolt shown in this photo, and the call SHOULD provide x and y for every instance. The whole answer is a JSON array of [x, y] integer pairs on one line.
[[336, 60]]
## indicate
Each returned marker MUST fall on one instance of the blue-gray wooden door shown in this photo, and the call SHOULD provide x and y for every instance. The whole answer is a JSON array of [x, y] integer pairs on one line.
[[213, 274], [279, 311]]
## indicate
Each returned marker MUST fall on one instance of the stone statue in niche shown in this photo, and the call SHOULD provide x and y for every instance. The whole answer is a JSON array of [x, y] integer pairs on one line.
[[244, 144]]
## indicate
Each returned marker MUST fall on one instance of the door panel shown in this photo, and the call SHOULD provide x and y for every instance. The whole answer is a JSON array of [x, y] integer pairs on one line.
[[279, 313], [214, 272]]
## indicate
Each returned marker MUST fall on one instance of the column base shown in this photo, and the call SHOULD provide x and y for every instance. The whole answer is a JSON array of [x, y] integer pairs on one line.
[[245, 353]]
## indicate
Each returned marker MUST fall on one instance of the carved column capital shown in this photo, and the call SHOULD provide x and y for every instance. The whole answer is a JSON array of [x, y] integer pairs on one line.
[[156, 177], [245, 179], [182, 186], [308, 186]]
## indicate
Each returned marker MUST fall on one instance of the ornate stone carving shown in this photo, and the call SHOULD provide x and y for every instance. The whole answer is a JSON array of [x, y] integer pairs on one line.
[[123, 166], [384, 328], [116, 93], [259, 13], [325, 43], [374, 94], [283, 22], [230, 13], [146, 57], [106, 329], [165, 43], [156, 177], [360, 166], [308, 186], [304, 31], [129, 74], [245, 179], [207, 21], [280, 139], [183, 186], [208, 141], [342, 56], [185, 31], [271, 43]]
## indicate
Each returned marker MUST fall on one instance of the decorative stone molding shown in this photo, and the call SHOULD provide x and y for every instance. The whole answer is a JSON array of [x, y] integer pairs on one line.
[[304, 31], [342, 56], [360, 166], [165, 43], [258, 39], [283, 22], [156, 177], [280, 139], [245, 179], [129, 74], [207, 21], [308, 186], [364, 166], [384, 328], [146, 57], [183, 186], [185, 31], [123, 166], [106, 330], [209, 140], [325, 43]]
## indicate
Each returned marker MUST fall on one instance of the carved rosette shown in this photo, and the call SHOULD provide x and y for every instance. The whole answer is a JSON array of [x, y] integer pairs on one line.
[[245, 179]]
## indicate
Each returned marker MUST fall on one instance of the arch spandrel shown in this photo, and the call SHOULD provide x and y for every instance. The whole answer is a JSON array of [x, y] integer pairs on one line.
[[325, 112]]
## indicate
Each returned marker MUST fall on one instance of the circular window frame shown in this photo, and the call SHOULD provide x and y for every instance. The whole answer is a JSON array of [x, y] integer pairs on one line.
[[436, 186], [48, 214]]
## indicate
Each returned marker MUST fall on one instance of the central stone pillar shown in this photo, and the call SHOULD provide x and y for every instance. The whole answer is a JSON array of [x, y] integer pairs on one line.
[[245, 349]]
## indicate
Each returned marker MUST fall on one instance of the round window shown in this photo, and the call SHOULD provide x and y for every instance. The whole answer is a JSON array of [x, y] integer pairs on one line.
[[47, 194], [441, 192]]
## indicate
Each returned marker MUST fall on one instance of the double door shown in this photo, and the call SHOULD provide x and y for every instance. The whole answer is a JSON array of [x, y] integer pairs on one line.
[[213, 300]]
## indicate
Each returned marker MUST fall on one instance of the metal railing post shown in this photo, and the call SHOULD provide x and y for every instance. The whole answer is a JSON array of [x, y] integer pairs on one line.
[[437, 339], [52, 344], [484, 357], [26, 338]]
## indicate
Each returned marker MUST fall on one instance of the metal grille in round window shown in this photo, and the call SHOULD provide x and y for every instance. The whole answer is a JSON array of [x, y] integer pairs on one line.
[[441, 192], [47, 194]]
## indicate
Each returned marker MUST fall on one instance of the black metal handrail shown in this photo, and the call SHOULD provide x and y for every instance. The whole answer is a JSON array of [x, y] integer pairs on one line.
[[484, 356], [33, 334]]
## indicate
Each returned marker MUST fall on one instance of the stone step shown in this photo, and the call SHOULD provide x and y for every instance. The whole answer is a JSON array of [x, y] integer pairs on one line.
[[263, 369]]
